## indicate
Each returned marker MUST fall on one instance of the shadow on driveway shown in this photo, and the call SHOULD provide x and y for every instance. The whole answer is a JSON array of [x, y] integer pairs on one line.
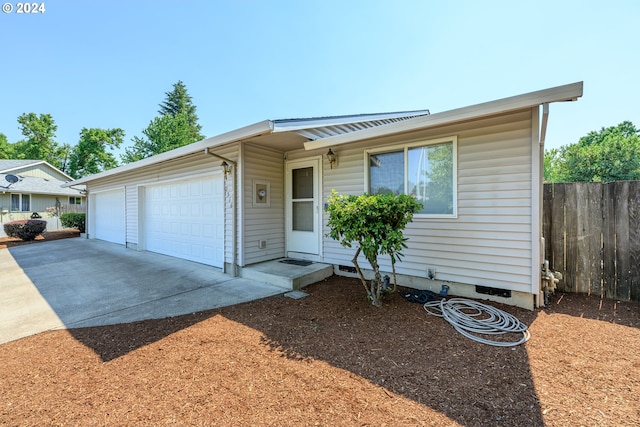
[[76, 283]]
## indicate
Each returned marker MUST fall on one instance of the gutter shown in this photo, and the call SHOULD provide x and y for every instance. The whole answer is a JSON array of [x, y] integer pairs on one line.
[[256, 129]]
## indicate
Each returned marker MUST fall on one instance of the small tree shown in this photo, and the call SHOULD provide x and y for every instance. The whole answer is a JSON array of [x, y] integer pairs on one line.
[[375, 223]]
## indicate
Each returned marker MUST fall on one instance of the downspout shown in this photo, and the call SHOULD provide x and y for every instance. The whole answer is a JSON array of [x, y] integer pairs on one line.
[[549, 278], [543, 127], [234, 227], [546, 284]]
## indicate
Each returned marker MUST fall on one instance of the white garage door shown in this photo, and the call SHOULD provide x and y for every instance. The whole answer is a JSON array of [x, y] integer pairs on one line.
[[185, 219], [109, 216]]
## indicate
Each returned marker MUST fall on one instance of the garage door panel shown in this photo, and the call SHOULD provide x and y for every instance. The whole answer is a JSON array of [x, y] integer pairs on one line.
[[110, 216], [185, 219]]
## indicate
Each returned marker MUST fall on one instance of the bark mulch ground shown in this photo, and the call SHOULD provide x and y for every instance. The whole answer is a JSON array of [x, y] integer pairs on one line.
[[330, 359], [10, 242]]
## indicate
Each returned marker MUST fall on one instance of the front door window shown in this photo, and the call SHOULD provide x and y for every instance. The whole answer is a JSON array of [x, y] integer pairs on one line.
[[302, 200]]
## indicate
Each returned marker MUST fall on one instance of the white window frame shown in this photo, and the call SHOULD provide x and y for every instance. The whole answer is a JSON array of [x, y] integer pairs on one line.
[[405, 148], [75, 199], [20, 196]]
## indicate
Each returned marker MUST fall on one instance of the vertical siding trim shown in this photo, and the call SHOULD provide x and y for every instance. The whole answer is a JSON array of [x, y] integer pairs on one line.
[[140, 196], [536, 203], [238, 227], [91, 212]]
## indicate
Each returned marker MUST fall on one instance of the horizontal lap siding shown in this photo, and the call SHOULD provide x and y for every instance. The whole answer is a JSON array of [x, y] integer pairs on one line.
[[40, 171], [489, 243], [263, 223], [187, 167], [40, 203]]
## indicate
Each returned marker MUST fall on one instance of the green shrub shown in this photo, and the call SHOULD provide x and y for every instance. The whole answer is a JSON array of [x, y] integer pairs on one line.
[[26, 229], [74, 220], [374, 222]]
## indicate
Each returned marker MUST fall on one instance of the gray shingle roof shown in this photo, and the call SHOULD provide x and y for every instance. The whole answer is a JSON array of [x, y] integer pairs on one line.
[[6, 165], [31, 185]]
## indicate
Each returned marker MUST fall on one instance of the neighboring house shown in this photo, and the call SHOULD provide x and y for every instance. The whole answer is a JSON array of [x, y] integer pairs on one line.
[[257, 193], [28, 186]]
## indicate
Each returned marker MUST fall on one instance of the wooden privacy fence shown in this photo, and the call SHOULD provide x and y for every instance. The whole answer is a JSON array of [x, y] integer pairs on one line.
[[69, 208], [592, 236]]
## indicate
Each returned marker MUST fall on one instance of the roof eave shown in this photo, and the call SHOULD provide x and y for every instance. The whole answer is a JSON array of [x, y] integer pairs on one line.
[[288, 125], [265, 126], [570, 92]]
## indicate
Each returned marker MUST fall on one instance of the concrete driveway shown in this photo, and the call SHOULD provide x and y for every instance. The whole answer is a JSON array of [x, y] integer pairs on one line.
[[78, 282]]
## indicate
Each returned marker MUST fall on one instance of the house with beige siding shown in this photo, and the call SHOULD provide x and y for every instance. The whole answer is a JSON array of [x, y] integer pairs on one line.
[[258, 193], [35, 186]]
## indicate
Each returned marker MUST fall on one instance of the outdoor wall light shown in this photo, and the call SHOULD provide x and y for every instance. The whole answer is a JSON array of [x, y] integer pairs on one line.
[[226, 167], [332, 158]]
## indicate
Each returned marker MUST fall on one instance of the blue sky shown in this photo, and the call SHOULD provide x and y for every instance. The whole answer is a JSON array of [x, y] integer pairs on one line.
[[109, 63]]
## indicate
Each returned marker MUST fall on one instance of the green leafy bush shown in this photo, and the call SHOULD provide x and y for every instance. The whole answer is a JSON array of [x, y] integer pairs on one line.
[[74, 220], [26, 229], [375, 223]]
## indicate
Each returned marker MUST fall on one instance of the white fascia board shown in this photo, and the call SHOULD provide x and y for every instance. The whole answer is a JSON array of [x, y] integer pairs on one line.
[[570, 92], [255, 129], [288, 125]]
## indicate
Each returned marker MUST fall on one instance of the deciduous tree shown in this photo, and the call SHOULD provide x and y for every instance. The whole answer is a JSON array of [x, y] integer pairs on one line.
[[39, 132], [6, 150], [91, 154], [610, 154], [164, 133]]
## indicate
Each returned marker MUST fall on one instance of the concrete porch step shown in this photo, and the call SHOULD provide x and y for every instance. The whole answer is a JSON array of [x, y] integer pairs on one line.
[[287, 276]]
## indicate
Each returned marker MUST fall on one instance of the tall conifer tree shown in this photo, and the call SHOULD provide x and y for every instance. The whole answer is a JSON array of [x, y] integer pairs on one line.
[[176, 126]]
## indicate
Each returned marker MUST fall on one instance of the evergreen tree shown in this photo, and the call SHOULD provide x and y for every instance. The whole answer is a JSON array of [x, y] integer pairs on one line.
[[179, 101], [176, 126]]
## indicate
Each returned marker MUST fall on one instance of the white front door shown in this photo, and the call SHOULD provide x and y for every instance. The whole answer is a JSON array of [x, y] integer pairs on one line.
[[303, 199]]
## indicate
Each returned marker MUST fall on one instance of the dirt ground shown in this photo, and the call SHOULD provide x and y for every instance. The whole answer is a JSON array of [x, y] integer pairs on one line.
[[330, 359]]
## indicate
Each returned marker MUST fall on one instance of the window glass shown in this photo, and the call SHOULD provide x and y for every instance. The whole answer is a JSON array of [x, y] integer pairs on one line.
[[15, 202], [303, 216], [302, 181], [26, 203], [425, 172], [430, 177], [386, 173]]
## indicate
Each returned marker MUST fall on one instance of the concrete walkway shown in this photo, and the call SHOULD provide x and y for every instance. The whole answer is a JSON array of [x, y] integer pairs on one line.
[[77, 282]]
